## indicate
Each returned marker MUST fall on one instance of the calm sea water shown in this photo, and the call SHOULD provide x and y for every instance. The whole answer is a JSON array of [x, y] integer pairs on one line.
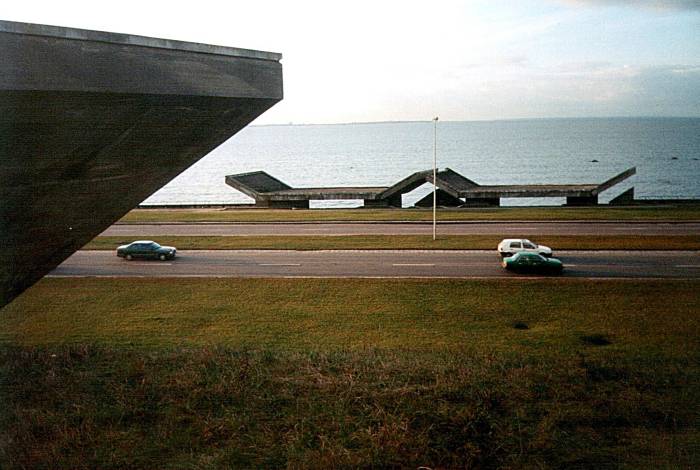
[[666, 152]]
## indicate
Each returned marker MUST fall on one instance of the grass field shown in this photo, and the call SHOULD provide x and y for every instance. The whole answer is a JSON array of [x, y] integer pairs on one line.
[[405, 242], [204, 373], [673, 213]]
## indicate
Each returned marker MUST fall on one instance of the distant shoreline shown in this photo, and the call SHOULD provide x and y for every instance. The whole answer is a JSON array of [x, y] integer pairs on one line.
[[427, 121]]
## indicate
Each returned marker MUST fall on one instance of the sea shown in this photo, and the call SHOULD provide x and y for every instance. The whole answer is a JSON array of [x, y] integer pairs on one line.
[[665, 151]]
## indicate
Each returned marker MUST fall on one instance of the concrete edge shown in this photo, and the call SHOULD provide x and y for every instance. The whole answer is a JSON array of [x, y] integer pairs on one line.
[[77, 34]]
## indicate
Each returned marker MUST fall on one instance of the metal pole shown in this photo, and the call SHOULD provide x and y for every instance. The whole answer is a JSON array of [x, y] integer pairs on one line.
[[435, 120]]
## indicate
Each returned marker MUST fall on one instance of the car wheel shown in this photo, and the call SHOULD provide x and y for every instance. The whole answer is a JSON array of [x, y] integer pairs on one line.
[[162, 257], [129, 257]]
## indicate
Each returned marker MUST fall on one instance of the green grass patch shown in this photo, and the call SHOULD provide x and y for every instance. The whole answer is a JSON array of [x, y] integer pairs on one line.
[[327, 373], [685, 212], [406, 242], [316, 314]]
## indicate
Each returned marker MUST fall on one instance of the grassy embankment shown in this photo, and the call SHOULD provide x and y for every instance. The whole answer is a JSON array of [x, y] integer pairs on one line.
[[405, 242], [214, 373], [671, 213]]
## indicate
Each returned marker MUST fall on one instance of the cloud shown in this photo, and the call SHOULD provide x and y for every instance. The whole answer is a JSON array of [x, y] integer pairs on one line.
[[582, 89], [679, 5]]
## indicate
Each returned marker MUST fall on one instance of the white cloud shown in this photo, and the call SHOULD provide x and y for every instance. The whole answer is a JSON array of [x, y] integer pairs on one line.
[[391, 60]]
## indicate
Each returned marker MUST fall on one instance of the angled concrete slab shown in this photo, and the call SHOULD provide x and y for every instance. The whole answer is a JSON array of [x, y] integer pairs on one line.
[[454, 190], [93, 123], [269, 191]]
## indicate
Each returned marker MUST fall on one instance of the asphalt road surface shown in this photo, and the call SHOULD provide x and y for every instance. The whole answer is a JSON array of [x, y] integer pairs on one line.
[[448, 264], [504, 229]]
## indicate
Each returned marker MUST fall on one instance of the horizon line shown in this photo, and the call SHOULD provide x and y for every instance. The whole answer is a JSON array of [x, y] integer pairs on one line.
[[415, 121]]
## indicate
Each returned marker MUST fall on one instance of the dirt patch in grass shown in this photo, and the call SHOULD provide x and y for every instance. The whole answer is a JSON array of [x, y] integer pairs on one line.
[[596, 340]]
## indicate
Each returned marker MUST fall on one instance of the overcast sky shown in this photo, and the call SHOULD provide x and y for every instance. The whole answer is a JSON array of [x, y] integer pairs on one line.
[[380, 60]]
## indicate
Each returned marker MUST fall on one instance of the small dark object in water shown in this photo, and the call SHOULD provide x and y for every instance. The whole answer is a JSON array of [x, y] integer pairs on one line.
[[596, 340], [674, 158], [594, 161], [518, 325]]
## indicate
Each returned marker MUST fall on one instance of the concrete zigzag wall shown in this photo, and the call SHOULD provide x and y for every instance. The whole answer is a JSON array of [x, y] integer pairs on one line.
[[93, 123]]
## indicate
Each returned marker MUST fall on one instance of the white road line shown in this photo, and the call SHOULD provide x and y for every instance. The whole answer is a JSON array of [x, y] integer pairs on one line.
[[149, 264], [279, 264], [413, 264]]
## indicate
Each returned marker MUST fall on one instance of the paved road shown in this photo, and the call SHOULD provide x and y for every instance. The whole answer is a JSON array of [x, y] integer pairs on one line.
[[514, 229], [455, 264]]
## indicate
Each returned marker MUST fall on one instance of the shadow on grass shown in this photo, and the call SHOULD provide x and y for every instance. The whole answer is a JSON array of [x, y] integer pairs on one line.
[[596, 340]]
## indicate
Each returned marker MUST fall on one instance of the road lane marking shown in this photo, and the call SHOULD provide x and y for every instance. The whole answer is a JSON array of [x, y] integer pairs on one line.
[[413, 264], [149, 264], [279, 264], [687, 266]]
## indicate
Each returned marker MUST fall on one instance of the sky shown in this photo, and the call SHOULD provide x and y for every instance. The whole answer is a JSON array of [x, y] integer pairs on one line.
[[386, 60]]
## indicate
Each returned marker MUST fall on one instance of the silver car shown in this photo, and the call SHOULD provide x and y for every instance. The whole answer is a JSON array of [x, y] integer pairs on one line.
[[511, 246]]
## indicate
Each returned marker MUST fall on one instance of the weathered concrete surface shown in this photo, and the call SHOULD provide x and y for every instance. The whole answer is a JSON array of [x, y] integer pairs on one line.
[[93, 123], [256, 183], [268, 191], [271, 192]]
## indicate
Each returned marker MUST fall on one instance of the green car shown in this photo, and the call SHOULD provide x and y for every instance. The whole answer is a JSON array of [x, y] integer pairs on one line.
[[146, 249], [532, 262]]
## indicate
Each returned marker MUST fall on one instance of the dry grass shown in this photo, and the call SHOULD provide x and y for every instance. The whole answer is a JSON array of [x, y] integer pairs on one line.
[[204, 373], [672, 213], [95, 407]]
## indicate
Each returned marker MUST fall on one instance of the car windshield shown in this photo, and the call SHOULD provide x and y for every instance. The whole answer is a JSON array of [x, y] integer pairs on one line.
[[153, 246], [529, 244]]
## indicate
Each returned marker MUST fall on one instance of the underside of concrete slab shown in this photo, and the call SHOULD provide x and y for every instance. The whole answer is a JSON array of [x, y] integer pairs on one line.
[[444, 199], [92, 123]]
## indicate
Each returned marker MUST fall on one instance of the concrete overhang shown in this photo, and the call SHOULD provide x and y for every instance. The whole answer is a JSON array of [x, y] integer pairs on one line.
[[41, 30], [92, 123], [305, 194]]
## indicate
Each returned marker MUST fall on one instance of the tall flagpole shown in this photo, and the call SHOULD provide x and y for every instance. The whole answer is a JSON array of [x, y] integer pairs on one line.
[[435, 120]]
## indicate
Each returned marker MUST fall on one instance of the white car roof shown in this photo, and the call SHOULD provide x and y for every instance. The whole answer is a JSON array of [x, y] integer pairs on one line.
[[143, 241]]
